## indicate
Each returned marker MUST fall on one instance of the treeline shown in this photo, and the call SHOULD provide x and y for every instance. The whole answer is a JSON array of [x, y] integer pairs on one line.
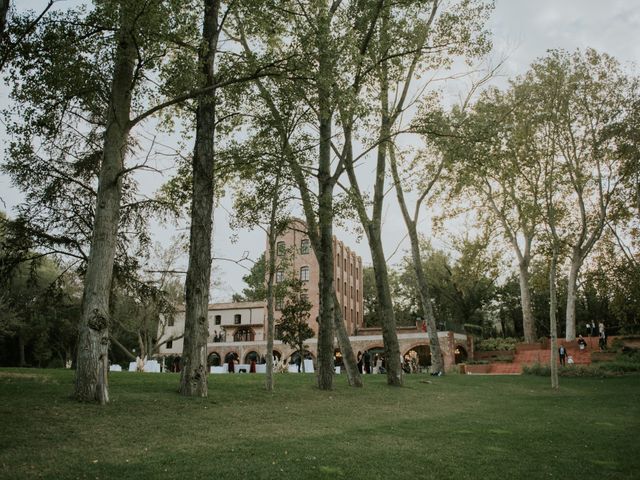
[[320, 107]]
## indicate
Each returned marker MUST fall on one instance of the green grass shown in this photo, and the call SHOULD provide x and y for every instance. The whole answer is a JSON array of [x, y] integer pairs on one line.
[[453, 427]]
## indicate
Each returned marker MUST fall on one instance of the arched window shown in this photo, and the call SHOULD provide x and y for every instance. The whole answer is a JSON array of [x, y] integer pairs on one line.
[[280, 248]]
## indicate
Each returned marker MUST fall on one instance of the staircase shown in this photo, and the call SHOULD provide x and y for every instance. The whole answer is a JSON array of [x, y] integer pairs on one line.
[[530, 353]]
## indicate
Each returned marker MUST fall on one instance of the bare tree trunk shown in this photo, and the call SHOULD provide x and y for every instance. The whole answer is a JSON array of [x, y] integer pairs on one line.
[[572, 285], [93, 342], [193, 378], [348, 357], [22, 360], [325, 203], [553, 327], [4, 10], [271, 270], [437, 360], [528, 325]]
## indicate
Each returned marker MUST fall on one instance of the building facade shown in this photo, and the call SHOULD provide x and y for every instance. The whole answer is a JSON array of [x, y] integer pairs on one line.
[[238, 330], [297, 259]]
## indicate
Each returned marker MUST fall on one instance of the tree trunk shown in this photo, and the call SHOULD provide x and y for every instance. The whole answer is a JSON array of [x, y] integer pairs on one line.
[[93, 342], [572, 285], [553, 327], [348, 357], [22, 360], [271, 269], [437, 360], [385, 309], [325, 79], [326, 368], [528, 324], [193, 379]]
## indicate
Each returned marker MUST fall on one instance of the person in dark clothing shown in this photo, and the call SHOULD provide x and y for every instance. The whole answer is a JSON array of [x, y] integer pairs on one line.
[[563, 355], [367, 362], [360, 361]]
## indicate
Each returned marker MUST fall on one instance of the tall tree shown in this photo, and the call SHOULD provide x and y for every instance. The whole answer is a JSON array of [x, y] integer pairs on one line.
[[501, 167], [584, 94], [193, 375]]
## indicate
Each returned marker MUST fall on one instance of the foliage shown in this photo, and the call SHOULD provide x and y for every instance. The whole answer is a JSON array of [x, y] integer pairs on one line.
[[543, 370], [497, 344], [255, 280], [293, 326]]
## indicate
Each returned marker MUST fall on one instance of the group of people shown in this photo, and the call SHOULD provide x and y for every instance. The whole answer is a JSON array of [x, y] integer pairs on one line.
[[602, 334], [582, 343], [366, 365], [219, 337]]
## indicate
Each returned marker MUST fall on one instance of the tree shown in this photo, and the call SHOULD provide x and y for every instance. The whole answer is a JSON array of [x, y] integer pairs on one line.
[[500, 157], [583, 94], [312, 61], [255, 290], [294, 323]]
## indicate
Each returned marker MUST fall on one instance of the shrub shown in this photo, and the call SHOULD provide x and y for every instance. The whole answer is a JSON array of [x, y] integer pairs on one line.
[[544, 370], [502, 344]]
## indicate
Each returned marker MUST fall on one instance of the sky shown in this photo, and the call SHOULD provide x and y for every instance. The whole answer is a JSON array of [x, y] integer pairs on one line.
[[522, 30]]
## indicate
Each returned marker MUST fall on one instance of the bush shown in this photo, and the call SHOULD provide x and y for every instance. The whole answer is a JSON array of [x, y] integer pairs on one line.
[[501, 344], [543, 370]]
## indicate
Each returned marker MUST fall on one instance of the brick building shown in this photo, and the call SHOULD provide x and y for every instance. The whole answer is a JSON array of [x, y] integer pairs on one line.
[[239, 329]]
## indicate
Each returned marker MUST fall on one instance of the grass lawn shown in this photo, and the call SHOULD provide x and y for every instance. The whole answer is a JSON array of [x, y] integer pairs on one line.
[[453, 427]]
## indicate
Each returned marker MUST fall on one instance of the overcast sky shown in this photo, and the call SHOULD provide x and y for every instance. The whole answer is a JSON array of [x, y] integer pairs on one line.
[[522, 31]]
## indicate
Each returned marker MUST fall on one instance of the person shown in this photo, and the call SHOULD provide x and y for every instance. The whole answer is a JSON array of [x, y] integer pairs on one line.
[[582, 343], [252, 366], [593, 328], [569, 359], [359, 358], [299, 362], [563, 355], [367, 362], [231, 366], [378, 364]]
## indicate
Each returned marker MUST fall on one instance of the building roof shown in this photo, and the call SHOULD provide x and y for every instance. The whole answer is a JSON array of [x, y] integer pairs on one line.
[[231, 306]]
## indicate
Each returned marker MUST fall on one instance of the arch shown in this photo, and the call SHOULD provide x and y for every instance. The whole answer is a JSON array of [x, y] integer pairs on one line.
[[231, 355], [244, 334], [461, 354], [214, 359], [252, 356], [421, 353]]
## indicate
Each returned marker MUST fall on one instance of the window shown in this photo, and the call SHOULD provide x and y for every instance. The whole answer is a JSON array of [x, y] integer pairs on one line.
[[304, 274], [357, 294], [217, 319], [351, 291], [279, 276], [345, 264], [237, 319], [280, 248], [169, 344], [345, 312], [338, 284], [304, 246], [345, 289]]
